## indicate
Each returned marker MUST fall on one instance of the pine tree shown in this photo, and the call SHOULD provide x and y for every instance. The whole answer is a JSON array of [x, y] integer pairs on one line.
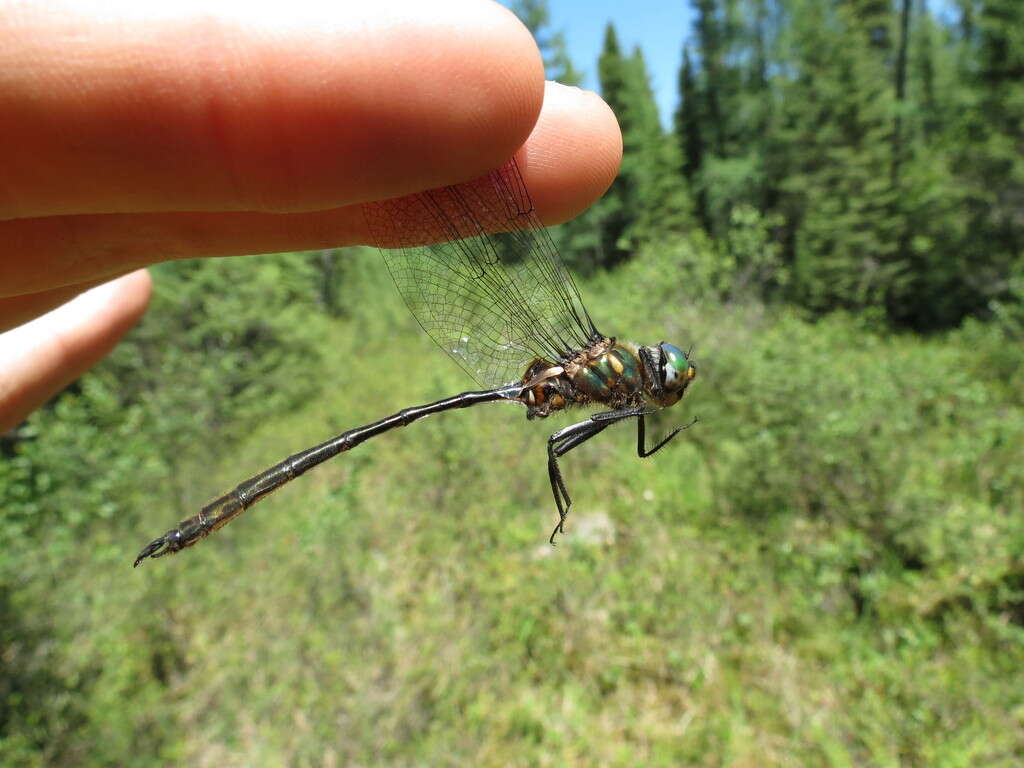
[[536, 15], [619, 203], [725, 108], [835, 144], [931, 291], [662, 203], [576, 239], [992, 164], [648, 198], [689, 118]]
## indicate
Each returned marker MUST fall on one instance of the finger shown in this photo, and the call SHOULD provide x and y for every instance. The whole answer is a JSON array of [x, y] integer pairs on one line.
[[572, 155], [115, 107], [40, 358], [568, 162], [16, 310]]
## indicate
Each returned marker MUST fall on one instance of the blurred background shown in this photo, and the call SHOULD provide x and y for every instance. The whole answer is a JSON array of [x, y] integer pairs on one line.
[[825, 197]]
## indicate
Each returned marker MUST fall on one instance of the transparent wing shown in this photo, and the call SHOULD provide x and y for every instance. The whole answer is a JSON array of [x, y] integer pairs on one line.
[[494, 302]]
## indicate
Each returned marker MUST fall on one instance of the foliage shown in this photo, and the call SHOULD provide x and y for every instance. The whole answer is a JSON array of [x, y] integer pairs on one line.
[[883, 144], [824, 570], [216, 353], [881, 139], [645, 199]]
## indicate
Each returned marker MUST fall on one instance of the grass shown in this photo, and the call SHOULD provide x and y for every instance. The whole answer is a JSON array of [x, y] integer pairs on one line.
[[824, 571]]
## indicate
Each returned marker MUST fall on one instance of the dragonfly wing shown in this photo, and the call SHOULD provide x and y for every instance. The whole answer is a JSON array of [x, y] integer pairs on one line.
[[482, 275]]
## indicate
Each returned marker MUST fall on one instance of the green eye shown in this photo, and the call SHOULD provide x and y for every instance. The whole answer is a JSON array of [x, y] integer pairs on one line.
[[676, 369]]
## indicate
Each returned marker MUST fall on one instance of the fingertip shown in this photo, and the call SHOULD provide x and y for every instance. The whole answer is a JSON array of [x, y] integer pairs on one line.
[[96, 319], [457, 101], [573, 154], [133, 293], [569, 161], [42, 357]]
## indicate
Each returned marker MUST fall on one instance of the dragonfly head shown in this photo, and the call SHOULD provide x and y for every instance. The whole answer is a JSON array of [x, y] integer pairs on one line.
[[673, 372]]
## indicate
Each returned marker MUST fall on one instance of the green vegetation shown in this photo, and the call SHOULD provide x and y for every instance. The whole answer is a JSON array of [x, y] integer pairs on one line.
[[826, 570], [881, 145]]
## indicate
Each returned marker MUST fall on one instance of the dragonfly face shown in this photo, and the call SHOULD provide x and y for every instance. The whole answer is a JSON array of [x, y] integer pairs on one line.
[[675, 372]]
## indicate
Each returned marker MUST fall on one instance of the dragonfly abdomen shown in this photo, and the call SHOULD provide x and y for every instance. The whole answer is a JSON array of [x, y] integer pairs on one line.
[[545, 389]]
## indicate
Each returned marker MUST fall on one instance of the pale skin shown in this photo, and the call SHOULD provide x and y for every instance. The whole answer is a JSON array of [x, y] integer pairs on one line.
[[133, 135]]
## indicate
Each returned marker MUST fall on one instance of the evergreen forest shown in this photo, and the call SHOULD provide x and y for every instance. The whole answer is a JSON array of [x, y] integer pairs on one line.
[[826, 570]]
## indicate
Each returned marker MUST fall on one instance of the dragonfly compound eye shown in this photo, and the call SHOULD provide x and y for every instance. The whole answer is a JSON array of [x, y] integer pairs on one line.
[[676, 369]]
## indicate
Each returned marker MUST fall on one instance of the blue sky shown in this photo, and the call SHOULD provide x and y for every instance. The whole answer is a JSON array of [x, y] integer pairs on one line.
[[657, 26]]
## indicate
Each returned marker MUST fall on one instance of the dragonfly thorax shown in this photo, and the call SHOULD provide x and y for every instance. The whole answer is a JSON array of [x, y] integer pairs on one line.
[[611, 373]]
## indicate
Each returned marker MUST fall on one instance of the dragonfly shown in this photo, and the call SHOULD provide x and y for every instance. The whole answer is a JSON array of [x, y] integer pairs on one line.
[[490, 289]]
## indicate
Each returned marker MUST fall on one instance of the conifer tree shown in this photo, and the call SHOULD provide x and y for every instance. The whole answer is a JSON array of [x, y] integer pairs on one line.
[[619, 202], [649, 198], [724, 107], [692, 146], [835, 141], [992, 163], [536, 15], [662, 204]]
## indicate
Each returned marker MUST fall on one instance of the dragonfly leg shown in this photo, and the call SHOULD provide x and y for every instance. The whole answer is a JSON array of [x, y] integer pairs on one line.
[[560, 443], [563, 441], [641, 451]]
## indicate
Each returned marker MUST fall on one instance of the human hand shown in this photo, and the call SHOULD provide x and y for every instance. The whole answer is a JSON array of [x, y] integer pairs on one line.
[[133, 135]]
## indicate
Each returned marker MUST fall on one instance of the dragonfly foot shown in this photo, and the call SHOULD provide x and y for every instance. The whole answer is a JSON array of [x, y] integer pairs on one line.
[[558, 529]]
